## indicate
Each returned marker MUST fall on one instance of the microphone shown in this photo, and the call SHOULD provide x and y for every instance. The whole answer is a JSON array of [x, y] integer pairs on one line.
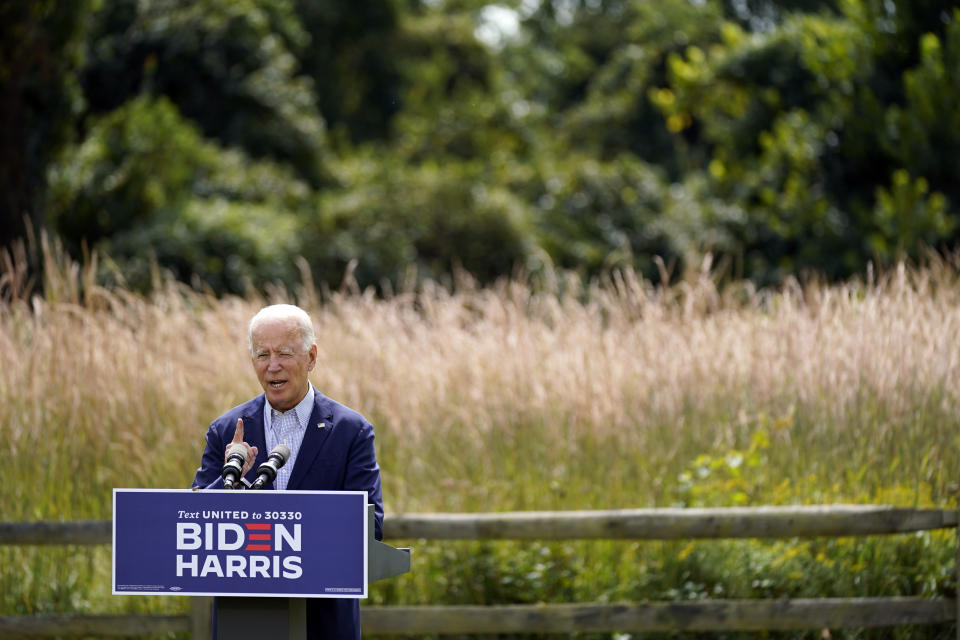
[[233, 468], [267, 471]]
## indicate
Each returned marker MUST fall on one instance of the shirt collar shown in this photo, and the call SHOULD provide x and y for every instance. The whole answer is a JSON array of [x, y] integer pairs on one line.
[[303, 410]]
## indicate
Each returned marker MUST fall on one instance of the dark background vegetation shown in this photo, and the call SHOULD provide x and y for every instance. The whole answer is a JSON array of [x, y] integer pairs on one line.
[[223, 139]]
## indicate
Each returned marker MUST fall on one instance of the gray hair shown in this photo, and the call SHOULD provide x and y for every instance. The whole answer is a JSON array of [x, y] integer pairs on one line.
[[284, 312]]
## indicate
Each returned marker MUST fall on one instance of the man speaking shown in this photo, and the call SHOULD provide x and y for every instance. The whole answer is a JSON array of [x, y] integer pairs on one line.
[[330, 445]]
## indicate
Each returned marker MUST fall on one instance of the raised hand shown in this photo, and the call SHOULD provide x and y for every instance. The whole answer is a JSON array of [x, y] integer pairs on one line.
[[249, 453]]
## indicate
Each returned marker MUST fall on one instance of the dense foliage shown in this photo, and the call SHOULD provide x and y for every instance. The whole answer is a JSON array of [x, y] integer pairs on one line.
[[224, 139]]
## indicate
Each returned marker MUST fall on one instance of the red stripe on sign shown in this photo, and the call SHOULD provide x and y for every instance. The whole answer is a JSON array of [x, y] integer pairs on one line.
[[257, 547], [249, 525], [259, 536]]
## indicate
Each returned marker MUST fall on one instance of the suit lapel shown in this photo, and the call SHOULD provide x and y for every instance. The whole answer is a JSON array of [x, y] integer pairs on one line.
[[318, 429]]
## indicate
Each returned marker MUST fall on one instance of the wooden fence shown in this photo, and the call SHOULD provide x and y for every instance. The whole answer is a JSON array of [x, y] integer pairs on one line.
[[633, 524]]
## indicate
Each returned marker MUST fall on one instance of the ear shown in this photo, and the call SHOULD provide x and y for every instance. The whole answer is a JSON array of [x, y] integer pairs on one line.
[[313, 357]]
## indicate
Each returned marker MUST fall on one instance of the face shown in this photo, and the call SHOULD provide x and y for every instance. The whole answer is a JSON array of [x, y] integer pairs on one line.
[[281, 364]]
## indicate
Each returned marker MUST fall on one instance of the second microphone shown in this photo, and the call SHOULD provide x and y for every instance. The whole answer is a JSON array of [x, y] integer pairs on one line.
[[267, 471]]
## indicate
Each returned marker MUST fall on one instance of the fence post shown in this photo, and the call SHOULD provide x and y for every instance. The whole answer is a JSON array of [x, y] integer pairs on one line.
[[201, 617]]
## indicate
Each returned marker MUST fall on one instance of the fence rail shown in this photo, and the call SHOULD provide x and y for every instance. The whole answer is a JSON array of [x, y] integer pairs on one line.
[[635, 524], [672, 524], [619, 524], [713, 615], [709, 615]]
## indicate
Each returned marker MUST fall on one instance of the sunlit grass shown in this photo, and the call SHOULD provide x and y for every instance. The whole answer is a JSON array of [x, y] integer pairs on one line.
[[538, 394]]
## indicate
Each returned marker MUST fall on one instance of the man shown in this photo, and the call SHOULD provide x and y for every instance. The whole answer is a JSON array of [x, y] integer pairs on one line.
[[331, 446]]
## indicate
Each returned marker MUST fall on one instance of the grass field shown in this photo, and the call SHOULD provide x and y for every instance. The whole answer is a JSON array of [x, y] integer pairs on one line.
[[536, 394]]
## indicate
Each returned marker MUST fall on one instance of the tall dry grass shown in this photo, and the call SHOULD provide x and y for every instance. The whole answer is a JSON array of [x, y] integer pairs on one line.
[[545, 393], [111, 387]]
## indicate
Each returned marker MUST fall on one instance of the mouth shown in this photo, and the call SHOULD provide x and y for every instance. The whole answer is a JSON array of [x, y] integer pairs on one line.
[[277, 384]]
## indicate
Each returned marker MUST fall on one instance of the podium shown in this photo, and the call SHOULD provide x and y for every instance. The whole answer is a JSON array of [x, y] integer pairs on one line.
[[261, 553], [259, 617]]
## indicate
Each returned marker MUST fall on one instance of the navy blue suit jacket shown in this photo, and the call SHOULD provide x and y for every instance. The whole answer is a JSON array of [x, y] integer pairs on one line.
[[339, 456]]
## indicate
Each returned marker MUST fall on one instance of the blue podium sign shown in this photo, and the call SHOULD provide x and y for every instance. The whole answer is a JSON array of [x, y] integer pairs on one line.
[[240, 543]]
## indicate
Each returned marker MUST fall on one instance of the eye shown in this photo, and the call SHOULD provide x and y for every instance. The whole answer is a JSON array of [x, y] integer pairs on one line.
[[262, 356]]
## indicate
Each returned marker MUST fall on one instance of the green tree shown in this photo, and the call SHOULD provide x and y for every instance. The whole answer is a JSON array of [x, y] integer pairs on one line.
[[804, 131], [428, 220], [354, 56], [228, 65], [41, 46], [145, 186], [617, 114]]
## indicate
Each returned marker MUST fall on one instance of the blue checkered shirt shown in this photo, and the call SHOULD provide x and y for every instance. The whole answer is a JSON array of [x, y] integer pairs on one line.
[[287, 428]]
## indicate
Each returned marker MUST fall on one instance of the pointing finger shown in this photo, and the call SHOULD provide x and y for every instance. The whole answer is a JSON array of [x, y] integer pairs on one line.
[[238, 434]]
